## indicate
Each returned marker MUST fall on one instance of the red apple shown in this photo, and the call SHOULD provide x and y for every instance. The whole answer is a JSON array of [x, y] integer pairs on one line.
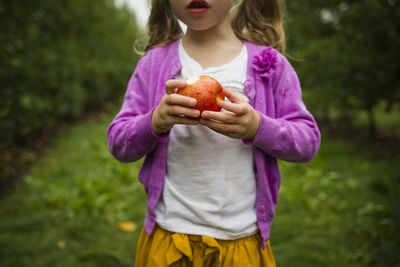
[[206, 90]]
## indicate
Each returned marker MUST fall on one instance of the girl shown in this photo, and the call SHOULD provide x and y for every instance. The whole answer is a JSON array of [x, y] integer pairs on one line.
[[212, 179]]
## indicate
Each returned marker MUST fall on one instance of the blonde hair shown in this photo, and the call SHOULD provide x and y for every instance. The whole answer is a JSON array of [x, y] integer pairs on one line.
[[257, 21]]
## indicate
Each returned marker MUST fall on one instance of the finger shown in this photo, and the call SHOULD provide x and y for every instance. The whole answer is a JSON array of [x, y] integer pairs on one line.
[[185, 121], [233, 97], [224, 117], [175, 99], [237, 108], [218, 126], [177, 110], [172, 85]]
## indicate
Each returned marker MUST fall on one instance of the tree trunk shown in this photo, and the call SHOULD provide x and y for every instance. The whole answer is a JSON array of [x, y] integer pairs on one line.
[[371, 122], [326, 118]]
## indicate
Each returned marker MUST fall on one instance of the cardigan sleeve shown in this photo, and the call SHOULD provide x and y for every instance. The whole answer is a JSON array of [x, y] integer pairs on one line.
[[293, 135], [130, 135]]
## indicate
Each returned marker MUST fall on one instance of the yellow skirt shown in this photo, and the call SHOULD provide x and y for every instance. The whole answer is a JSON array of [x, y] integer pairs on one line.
[[164, 248]]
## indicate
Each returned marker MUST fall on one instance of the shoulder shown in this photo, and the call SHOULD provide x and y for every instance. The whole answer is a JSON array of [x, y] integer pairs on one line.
[[267, 62], [158, 63], [162, 53], [160, 58], [271, 65], [261, 55]]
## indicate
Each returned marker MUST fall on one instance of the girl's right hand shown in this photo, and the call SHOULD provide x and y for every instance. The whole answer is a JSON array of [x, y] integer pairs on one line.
[[174, 109]]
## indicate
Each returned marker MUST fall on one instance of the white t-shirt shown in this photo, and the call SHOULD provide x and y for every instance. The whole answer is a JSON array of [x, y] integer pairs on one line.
[[210, 185]]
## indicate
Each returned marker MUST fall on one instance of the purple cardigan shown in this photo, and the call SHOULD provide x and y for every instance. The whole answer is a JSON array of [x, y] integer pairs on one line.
[[287, 130]]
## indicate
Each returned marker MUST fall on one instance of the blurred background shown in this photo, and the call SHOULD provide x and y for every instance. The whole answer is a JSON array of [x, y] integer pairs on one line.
[[64, 201]]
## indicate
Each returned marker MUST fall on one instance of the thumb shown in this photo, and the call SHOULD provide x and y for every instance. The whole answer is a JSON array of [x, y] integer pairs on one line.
[[172, 85], [233, 97]]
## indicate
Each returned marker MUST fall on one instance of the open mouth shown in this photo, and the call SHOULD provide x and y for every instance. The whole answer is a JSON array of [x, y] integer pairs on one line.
[[197, 6]]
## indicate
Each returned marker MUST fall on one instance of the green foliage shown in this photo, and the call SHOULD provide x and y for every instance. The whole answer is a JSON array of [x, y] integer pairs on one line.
[[350, 53], [68, 210], [341, 209], [59, 59]]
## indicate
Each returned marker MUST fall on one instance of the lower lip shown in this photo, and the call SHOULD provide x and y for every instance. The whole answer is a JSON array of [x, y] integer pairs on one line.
[[197, 11]]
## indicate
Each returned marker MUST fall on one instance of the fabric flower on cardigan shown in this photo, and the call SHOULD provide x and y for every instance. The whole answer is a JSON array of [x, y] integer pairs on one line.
[[265, 62]]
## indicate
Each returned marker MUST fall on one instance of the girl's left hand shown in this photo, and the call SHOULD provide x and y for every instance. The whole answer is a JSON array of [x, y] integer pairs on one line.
[[242, 123]]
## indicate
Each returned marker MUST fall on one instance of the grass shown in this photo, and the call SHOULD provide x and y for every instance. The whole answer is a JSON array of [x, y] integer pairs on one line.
[[341, 209], [69, 208]]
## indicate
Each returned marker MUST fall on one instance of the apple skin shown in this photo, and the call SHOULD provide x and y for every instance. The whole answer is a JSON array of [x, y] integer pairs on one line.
[[206, 90]]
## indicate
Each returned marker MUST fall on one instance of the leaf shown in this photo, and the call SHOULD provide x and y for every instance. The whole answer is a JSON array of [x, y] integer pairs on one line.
[[128, 226], [61, 244]]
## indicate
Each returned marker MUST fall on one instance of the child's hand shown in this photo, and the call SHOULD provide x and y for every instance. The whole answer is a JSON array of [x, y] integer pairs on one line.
[[242, 123], [174, 109]]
